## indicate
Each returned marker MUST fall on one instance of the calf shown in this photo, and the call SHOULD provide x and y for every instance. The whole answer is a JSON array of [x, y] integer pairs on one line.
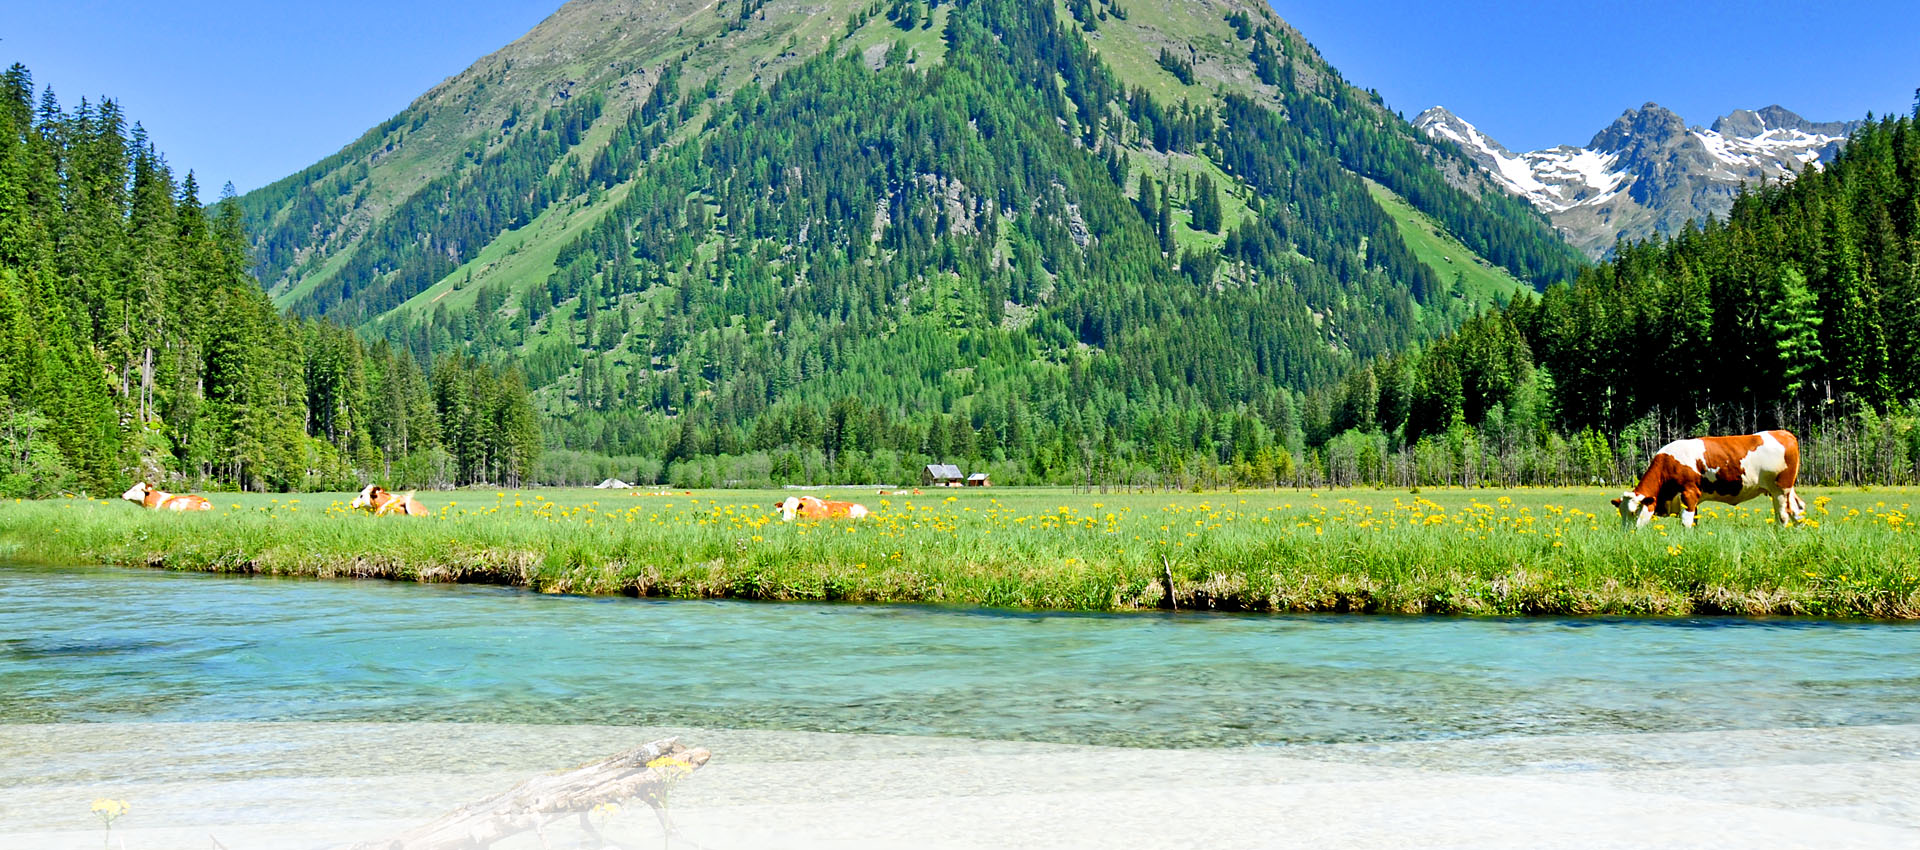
[[808, 507], [381, 502], [1718, 469], [160, 500]]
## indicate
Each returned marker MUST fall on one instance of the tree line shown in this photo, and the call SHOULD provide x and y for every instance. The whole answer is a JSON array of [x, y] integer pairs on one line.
[[136, 344]]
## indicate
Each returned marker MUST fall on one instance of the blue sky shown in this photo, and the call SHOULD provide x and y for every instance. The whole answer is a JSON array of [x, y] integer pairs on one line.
[[251, 92]]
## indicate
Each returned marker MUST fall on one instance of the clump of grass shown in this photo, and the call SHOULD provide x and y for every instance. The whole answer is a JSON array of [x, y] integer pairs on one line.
[[1442, 552]]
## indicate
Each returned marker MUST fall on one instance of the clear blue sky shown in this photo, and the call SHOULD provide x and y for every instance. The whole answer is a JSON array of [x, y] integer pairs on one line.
[[251, 92]]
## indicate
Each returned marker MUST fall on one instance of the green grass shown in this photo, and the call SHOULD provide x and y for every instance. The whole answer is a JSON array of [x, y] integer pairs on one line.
[[1439, 552], [1486, 283], [1132, 49]]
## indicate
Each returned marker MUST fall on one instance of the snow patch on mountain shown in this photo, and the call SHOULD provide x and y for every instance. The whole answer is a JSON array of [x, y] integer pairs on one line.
[[1553, 179], [1770, 148], [1507, 168]]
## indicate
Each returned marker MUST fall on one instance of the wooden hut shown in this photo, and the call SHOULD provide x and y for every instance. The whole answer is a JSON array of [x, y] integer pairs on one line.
[[978, 479], [941, 475]]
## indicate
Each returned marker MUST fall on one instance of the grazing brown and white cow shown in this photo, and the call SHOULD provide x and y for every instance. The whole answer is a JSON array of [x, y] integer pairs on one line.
[[808, 507], [160, 500], [1717, 469], [376, 499]]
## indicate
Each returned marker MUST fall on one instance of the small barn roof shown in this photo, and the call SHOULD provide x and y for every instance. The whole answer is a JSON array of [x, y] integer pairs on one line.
[[944, 470], [978, 476]]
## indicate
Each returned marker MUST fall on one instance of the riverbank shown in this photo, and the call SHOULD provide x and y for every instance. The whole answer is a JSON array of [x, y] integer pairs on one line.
[[1477, 552], [184, 782]]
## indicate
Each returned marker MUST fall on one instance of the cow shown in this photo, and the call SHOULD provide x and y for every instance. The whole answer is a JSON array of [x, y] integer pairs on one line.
[[147, 497], [1718, 469], [808, 507], [377, 499]]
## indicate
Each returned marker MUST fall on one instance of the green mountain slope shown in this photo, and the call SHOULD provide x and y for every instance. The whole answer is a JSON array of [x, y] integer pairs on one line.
[[832, 234]]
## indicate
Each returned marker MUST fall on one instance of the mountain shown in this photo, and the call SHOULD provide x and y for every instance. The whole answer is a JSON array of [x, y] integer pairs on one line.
[[805, 236], [1648, 172]]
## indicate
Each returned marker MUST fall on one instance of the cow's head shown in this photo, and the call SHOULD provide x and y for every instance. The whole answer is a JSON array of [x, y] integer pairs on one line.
[[137, 493], [1635, 510], [788, 508], [369, 498]]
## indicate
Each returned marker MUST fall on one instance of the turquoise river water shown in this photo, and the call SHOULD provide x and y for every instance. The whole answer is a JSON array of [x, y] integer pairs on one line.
[[113, 645]]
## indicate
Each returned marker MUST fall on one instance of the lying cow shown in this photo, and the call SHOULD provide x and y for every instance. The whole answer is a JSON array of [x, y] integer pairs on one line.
[[376, 499], [808, 507], [160, 500], [1719, 469]]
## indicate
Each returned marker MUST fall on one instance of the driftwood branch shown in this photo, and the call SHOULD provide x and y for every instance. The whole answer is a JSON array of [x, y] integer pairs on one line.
[[543, 800], [1166, 584]]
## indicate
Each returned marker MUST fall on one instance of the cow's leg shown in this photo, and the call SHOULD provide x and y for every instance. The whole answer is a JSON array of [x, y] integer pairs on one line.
[[1689, 508], [1792, 509]]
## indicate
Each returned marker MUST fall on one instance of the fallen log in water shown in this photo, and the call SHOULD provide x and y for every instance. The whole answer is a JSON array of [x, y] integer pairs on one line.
[[643, 773]]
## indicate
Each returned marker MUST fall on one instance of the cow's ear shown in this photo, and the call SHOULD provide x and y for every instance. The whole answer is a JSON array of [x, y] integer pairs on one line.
[[1616, 503]]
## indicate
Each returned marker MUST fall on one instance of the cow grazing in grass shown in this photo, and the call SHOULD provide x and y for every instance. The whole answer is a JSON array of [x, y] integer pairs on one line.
[[808, 507], [1717, 469], [147, 497], [376, 499]]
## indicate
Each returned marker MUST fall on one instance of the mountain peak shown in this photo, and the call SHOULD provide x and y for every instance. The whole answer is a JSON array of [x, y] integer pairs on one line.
[[1648, 172], [1440, 122], [1650, 124]]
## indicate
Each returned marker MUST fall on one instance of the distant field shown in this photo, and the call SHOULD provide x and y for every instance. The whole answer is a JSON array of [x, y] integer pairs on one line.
[[1530, 551]]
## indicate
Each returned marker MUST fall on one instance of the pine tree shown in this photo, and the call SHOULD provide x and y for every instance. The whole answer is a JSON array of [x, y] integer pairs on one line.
[[1165, 223], [1206, 206], [1793, 320]]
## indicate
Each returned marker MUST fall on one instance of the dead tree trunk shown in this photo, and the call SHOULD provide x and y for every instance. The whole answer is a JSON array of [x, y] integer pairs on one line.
[[543, 800]]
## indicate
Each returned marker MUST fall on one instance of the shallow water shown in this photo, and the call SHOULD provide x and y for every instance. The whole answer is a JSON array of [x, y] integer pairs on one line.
[[118, 645]]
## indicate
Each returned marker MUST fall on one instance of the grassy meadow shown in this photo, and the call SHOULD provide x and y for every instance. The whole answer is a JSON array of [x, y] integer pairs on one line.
[[1530, 551]]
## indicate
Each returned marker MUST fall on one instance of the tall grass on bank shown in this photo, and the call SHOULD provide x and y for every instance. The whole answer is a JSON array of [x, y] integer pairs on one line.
[[1447, 552]]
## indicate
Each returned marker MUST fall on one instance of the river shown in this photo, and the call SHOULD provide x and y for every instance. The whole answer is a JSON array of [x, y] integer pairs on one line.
[[94, 660]]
